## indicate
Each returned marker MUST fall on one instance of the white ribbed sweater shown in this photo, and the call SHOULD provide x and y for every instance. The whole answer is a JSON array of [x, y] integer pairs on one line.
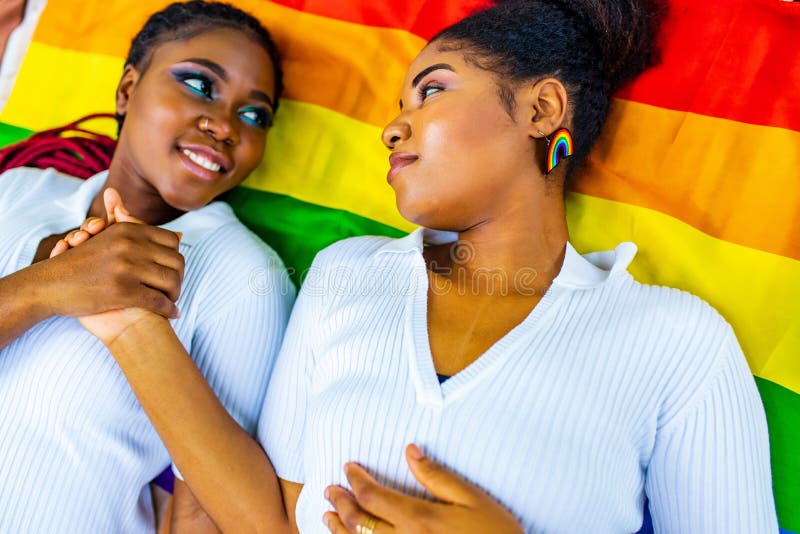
[[76, 449], [608, 391]]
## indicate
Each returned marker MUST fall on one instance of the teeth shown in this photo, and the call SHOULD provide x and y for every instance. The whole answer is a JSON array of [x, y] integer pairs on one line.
[[200, 160]]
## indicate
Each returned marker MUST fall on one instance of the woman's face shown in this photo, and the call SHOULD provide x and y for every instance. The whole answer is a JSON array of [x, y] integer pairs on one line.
[[196, 120], [457, 155]]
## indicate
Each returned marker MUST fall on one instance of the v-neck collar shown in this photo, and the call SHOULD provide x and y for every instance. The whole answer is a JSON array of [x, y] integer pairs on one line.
[[577, 273]]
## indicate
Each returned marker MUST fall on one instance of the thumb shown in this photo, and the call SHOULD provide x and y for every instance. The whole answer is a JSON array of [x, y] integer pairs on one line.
[[443, 484], [122, 215], [111, 199]]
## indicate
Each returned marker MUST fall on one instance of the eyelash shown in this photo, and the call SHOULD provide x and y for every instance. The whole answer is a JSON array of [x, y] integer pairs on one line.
[[205, 90], [206, 86], [423, 90], [263, 117]]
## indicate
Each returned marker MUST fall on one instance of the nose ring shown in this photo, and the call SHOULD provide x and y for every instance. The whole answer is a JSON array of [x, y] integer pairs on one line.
[[203, 124]]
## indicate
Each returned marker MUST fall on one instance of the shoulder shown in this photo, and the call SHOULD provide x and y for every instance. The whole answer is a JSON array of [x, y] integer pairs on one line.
[[682, 343], [676, 310], [352, 252], [18, 185], [235, 259]]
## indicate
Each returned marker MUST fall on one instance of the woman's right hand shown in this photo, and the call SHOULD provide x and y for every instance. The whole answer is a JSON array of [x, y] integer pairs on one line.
[[126, 265]]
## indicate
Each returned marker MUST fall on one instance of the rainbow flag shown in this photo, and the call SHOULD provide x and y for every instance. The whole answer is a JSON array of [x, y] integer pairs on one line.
[[699, 164]]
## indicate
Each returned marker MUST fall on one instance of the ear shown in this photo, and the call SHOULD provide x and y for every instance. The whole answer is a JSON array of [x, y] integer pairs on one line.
[[126, 87], [546, 102]]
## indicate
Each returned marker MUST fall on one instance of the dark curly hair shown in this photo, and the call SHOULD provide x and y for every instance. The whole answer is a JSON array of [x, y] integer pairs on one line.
[[591, 46], [184, 20]]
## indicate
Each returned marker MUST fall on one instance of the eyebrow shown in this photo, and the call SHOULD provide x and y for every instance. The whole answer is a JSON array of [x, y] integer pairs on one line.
[[214, 67], [424, 72], [261, 95], [217, 69], [428, 70]]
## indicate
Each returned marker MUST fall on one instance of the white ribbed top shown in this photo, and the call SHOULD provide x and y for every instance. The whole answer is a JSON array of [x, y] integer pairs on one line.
[[76, 449], [608, 391]]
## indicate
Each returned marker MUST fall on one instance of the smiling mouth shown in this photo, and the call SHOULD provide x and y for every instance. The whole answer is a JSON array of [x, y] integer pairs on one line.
[[202, 161]]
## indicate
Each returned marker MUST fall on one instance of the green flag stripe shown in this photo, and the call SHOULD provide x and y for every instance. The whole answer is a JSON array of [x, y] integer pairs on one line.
[[297, 230], [10, 134], [783, 416]]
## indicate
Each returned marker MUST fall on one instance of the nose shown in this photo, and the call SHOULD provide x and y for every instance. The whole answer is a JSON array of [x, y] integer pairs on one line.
[[219, 128], [396, 131]]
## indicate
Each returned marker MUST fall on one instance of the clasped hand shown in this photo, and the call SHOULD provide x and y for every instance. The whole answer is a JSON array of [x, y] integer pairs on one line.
[[371, 508], [115, 273]]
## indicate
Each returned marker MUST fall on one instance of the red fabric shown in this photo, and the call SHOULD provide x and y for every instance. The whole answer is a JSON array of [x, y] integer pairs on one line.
[[81, 155]]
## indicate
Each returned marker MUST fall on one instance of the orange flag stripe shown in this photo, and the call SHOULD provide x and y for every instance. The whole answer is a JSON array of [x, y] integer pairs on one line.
[[355, 70], [731, 180]]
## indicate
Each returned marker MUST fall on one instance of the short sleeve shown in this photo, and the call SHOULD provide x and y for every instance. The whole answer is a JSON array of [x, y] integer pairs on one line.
[[282, 425], [710, 467]]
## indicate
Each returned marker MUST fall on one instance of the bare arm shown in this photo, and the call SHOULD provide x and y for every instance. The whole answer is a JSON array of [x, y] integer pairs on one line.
[[22, 303], [188, 516], [227, 470]]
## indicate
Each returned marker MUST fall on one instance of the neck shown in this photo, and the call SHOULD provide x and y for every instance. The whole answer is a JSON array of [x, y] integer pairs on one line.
[[140, 198], [525, 244]]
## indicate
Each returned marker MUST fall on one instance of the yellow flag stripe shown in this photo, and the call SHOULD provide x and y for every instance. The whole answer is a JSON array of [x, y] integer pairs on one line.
[[319, 156]]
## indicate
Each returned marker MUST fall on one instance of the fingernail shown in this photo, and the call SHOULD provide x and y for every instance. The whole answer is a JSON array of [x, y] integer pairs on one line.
[[180, 235], [327, 495], [326, 520], [415, 452]]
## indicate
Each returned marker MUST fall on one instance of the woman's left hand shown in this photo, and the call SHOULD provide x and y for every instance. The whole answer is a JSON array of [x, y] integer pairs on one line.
[[107, 326], [375, 509]]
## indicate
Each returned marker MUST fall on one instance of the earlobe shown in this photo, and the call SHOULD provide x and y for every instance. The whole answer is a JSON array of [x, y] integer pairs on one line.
[[127, 84]]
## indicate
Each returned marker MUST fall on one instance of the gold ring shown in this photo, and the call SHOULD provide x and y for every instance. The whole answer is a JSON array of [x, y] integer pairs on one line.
[[367, 527], [204, 124]]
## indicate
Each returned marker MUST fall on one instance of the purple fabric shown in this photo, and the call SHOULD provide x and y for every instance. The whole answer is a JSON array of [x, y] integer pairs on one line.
[[166, 480]]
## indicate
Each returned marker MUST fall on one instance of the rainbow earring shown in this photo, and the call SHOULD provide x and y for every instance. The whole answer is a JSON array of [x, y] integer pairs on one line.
[[559, 148]]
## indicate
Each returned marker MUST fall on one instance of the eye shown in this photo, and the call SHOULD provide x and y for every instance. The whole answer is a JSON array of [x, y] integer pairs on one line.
[[257, 116], [197, 83], [429, 89]]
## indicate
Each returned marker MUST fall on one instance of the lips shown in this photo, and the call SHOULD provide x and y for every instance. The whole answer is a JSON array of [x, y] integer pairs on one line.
[[204, 161], [398, 162]]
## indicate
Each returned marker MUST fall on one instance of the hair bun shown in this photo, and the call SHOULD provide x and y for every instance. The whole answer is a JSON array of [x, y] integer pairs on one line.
[[625, 32]]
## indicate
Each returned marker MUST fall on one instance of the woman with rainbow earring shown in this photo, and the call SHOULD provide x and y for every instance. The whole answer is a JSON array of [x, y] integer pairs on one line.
[[491, 379]]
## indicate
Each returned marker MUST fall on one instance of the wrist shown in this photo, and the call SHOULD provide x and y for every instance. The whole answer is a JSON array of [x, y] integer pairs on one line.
[[29, 295], [142, 326]]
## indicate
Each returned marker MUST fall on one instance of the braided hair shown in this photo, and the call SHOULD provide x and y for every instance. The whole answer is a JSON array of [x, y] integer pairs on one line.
[[592, 46]]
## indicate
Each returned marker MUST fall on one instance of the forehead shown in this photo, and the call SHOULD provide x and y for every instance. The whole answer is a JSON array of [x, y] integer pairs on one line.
[[242, 58], [431, 55]]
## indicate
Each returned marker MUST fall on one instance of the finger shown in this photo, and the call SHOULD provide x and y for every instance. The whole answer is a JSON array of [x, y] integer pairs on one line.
[[335, 525], [154, 234], [443, 484], [111, 199], [164, 279], [380, 501], [155, 301], [77, 237], [351, 515], [59, 248], [93, 225], [122, 215]]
